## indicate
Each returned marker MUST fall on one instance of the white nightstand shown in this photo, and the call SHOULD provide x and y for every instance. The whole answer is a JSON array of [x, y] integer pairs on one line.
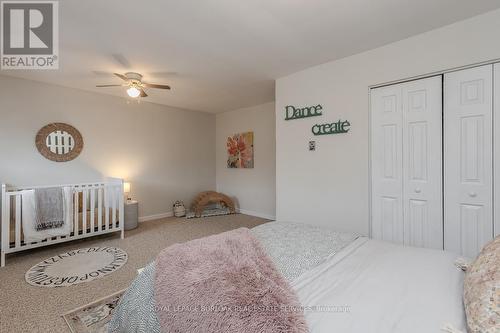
[[131, 214]]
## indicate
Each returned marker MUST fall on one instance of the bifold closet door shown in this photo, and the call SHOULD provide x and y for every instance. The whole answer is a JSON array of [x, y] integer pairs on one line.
[[468, 136], [407, 163], [422, 162], [387, 164]]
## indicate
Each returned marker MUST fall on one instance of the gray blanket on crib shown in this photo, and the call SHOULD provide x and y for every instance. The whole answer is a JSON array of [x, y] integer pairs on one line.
[[49, 208], [295, 248]]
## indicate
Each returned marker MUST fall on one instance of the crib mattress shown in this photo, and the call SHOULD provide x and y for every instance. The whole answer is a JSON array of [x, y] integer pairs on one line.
[[80, 223]]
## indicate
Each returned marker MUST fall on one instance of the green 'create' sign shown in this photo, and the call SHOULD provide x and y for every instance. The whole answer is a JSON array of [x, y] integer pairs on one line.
[[333, 128]]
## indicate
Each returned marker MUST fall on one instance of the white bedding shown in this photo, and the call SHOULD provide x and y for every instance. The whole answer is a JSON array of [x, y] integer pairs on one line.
[[383, 287], [374, 286]]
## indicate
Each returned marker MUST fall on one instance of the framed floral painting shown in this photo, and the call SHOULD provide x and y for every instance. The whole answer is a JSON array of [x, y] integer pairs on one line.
[[240, 150]]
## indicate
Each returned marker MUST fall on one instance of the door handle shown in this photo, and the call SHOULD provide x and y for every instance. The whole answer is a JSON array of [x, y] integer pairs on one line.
[[472, 194], [417, 190]]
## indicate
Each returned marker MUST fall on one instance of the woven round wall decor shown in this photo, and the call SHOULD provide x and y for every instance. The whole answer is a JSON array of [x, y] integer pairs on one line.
[[59, 142]]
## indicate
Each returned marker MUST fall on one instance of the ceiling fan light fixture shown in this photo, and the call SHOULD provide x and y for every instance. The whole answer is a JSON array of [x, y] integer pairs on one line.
[[133, 92], [134, 85]]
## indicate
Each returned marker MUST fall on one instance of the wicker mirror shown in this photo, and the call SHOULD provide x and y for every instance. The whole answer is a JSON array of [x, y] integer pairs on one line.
[[59, 142]]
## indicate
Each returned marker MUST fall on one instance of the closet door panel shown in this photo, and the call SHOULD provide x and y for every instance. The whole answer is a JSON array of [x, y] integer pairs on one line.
[[422, 162], [387, 201], [468, 160], [496, 162]]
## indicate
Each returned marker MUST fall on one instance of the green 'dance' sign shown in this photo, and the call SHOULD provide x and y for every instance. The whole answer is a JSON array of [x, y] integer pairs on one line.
[[292, 112]]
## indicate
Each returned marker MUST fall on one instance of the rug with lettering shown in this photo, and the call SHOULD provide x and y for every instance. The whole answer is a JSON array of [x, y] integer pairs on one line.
[[93, 317], [76, 266]]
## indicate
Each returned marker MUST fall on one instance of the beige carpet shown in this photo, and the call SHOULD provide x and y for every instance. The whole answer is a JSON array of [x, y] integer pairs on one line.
[[25, 308]]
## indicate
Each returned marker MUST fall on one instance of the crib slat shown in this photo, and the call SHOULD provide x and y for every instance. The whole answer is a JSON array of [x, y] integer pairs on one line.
[[106, 208], [76, 211], [84, 210], [18, 221], [92, 206], [113, 212], [6, 223], [99, 209]]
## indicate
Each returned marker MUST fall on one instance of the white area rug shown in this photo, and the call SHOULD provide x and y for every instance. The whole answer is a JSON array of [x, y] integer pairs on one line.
[[77, 266]]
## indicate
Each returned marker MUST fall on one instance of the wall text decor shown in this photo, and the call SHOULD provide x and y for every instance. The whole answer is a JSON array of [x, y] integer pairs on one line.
[[333, 128], [292, 112]]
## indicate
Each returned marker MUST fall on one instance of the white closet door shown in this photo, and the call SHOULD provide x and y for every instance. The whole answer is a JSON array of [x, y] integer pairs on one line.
[[468, 159], [387, 164], [496, 144], [422, 163], [406, 163]]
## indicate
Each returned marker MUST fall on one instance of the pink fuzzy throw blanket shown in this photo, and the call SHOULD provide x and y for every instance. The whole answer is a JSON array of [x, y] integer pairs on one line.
[[224, 283]]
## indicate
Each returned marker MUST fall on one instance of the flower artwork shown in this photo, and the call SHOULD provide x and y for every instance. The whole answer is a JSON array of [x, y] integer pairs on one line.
[[240, 150]]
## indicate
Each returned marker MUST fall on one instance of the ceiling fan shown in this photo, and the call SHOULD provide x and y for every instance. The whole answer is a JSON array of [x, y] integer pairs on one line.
[[135, 85]]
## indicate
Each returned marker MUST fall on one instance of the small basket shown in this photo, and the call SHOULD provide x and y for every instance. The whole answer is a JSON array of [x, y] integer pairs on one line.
[[179, 209]]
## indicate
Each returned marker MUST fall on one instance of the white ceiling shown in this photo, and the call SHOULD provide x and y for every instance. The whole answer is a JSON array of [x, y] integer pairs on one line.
[[220, 55]]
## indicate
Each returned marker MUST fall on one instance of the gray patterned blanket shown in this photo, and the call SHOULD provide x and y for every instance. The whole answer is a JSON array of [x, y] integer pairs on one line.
[[295, 248]]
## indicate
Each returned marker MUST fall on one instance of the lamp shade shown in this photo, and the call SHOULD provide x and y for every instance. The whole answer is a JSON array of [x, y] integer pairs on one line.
[[126, 187]]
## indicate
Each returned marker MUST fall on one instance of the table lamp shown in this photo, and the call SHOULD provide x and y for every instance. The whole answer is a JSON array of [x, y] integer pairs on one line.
[[126, 190]]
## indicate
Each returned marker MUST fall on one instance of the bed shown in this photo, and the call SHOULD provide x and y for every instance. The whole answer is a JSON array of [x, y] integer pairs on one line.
[[344, 282]]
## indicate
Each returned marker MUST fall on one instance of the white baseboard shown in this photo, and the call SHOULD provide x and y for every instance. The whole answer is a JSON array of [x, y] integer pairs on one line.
[[256, 214], [156, 216]]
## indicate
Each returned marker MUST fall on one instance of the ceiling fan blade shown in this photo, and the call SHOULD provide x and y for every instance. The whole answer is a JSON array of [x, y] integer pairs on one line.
[[108, 85], [121, 76], [158, 86], [143, 93], [102, 73], [120, 58]]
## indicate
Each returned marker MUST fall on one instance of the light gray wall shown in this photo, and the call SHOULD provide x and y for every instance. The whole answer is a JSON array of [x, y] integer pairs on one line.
[[166, 153], [331, 185], [254, 189]]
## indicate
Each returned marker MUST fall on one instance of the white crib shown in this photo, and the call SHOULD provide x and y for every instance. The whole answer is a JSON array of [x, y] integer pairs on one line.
[[98, 208]]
